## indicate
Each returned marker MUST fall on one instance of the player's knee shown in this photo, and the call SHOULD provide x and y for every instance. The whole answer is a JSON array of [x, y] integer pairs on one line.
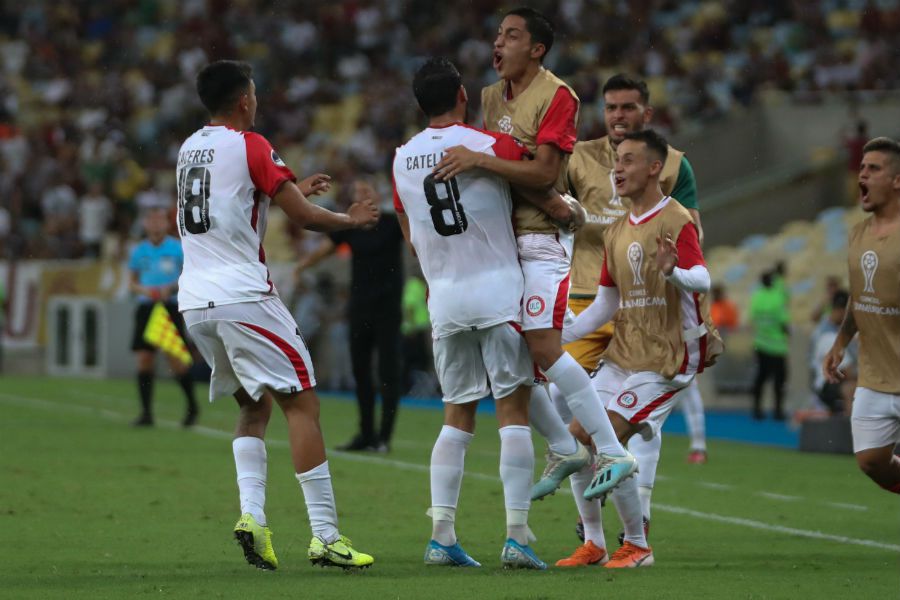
[[870, 464]]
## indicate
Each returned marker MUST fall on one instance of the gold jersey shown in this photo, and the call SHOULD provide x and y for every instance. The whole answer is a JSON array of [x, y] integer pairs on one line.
[[875, 302], [521, 117]]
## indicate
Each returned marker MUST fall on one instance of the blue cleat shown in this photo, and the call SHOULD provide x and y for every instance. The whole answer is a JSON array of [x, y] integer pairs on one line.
[[559, 466], [611, 471], [517, 556], [450, 556]]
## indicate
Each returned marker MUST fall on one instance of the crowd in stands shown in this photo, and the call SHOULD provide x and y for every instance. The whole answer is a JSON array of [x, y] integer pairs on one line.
[[95, 97]]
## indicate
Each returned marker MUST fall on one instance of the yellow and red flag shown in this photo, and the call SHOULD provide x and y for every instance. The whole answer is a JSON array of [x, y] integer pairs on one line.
[[162, 333]]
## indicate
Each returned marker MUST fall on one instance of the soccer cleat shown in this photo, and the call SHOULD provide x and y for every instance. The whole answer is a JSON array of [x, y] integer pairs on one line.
[[517, 556], [338, 553], [256, 542], [697, 457], [611, 470], [559, 466], [451, 556], [646, 532], [585, 555], [630, 556], [144, 420]]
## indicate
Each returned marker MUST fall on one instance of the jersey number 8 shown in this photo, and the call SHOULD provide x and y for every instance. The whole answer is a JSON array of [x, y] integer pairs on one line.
[[193, 199], [443, 197]]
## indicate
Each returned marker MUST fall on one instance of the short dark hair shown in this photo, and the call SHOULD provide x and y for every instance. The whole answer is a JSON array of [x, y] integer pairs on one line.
[[538, 26], [839, 299], [435, 85], [656, 143], [220, 83], [886, 145], [620, 81]]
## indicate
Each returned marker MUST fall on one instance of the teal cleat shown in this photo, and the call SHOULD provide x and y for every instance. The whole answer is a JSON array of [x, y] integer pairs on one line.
[[611, 471], [450, 556], [559, 466], [517, 556]]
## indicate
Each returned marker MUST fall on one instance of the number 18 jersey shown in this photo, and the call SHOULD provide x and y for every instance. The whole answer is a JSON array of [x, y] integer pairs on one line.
[[461, 229], [225, 181]]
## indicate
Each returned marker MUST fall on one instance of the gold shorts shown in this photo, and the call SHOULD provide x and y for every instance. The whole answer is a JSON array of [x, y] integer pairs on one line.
[[588, 349]]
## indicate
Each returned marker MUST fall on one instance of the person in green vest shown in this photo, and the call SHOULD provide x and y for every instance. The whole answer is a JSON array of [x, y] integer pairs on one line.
[[416, 330], [770, 319]]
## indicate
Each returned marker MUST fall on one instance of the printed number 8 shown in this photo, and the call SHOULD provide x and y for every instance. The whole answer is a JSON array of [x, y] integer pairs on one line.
[[443, 196], [194, 199]]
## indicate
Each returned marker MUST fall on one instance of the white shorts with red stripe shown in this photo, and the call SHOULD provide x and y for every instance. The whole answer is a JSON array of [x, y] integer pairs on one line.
[[251, 345], [643, 398], [546, 259]]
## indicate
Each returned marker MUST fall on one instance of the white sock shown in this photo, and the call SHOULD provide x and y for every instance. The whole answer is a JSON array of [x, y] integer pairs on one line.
[[589, 510], [692, 405], [316, 486], [585, 404], [251, 466], [628, 505], [647, 455], [447, 463], [559, 401], [546, 420], [516, 472]]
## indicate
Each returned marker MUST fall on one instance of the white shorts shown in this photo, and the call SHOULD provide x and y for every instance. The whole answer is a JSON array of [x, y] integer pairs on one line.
[[251, 345], [546, 259], [643, 398], [471, 364], [875, 420]]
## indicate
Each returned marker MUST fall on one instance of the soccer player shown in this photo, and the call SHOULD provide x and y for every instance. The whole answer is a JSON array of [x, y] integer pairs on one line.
[[651, 279], [460, 229], [227, 176], [155, 266], [590, 172], [874, 313], [541, 111]]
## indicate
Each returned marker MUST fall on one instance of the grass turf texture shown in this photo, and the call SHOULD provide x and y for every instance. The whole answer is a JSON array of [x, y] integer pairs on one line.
[[95, 509]]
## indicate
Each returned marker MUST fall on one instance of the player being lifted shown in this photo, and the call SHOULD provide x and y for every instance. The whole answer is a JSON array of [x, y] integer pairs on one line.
[[541, 111], [652, 279], [874, 313], [460, 229], [226, 178]]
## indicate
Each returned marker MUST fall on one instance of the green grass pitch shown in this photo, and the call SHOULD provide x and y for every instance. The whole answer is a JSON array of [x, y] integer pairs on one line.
[[94, 509]]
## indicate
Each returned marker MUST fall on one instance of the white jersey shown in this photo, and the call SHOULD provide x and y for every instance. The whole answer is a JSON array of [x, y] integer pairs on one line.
[[225, 179], [461, 229]]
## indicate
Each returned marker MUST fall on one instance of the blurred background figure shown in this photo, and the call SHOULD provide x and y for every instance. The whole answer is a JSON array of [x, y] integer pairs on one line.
[[836, 397], [155, 266], [853, 142], [770, 320], [822, 310], [723, 311], [416, 329], [308, 308], [374, 314]]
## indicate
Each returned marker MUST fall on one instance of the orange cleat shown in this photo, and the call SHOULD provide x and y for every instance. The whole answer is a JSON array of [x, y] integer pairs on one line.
[[630, 556], [697, 457], [585, 555]]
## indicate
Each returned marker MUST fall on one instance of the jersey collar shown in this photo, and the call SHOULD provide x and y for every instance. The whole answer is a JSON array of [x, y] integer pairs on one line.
[[633, 220]]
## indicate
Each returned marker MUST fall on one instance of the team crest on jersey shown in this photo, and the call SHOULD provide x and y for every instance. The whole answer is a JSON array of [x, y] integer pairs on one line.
[[869, 264], [627, 399], [534, 306], [505, 124], [277, 159], [636, 260]]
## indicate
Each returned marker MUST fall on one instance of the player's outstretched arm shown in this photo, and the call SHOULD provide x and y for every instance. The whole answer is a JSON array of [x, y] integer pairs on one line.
[[600, 312], [361, 214], [540, 173]]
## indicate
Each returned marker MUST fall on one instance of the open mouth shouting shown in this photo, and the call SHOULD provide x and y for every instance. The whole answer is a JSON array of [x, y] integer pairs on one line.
[[498, 60], [863, 191]]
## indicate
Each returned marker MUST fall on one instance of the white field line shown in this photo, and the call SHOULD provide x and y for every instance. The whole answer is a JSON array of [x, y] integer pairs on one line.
[[406, 466], [723, 487], [774, 496], [847, 506]]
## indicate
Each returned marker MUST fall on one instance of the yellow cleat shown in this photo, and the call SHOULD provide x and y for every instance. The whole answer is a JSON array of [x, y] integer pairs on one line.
[[256, 542], [338, 553]]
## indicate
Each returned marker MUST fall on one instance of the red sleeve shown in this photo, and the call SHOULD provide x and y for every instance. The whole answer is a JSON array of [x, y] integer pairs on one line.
[[398, 206], [558, 127], [606, 279], [509, 148], [688, 244], [267, 170]]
